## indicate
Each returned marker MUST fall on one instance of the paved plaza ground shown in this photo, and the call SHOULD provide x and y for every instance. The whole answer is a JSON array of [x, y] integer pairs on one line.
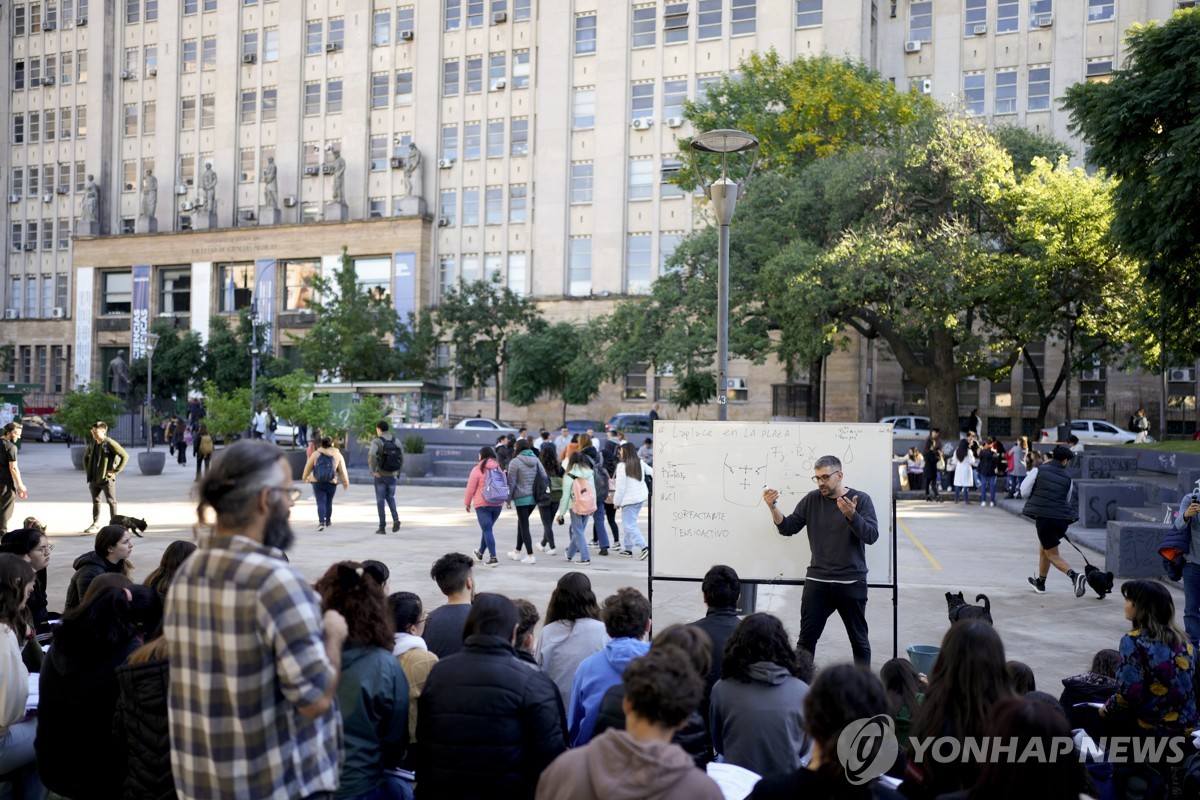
[[940, 548]]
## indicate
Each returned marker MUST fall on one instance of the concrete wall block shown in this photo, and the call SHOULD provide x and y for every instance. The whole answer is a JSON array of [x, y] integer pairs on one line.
[[1132, 549], [1187, 480], [1097, 467], [1099, 500]]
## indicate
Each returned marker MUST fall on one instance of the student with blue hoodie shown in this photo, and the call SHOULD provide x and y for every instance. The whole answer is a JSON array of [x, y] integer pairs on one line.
[[627, 621]]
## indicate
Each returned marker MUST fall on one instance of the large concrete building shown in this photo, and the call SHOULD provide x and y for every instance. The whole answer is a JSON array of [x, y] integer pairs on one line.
[[441, 140]]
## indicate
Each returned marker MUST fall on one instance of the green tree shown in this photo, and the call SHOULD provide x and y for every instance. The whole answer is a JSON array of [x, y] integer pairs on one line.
[[1025, 145], [1144, 129], [358, 336], [227, 359], [291, 393], [81, 407], [551, 359], [364, 415], [229, 413], [177, 362], [479, 319]]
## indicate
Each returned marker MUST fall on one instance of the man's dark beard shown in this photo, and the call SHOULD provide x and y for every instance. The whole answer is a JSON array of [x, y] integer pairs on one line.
[[278, 531]]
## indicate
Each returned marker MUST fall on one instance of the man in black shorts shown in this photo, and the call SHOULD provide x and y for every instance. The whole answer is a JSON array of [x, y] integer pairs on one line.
[[1048, 488]]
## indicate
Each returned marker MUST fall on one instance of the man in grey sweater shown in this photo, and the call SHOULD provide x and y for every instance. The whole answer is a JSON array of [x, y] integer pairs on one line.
[[841, 521]]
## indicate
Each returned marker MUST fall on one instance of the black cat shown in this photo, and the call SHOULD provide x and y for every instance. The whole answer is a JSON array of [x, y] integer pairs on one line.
[[957, 608]]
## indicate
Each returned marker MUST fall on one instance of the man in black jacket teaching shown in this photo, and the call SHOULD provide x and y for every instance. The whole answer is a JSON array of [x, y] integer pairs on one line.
[[841, 521]]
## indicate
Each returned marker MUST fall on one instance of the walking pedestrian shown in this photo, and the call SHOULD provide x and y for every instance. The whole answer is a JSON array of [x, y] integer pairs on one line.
[[524, 474], [934, 463], [548, 503], [987, 473], [600, 477], [840, 521], [384, 460], [12, 487], [1048, 488], [1140, 425], [1018, 466], [175, 431], [324, 468], [963, 464], [631, 494], [578, 495], [103, 460], [203, 450], [487, 509]]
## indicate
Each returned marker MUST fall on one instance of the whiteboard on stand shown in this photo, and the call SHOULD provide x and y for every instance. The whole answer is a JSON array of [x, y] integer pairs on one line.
[[708, 484]]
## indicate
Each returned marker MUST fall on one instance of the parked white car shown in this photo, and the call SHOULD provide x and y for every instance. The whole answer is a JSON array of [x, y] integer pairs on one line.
[[908, 427], [483, 424], [1094, 431]]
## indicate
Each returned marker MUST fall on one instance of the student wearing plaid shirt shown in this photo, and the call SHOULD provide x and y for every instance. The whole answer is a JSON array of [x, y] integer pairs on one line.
[[254, 665]]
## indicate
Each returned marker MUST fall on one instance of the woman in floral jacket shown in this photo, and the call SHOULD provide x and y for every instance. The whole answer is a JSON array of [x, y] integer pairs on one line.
[[1155, 678]]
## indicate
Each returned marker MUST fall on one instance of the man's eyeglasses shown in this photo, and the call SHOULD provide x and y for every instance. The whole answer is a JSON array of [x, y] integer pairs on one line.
[[824, 478], [292, 494]]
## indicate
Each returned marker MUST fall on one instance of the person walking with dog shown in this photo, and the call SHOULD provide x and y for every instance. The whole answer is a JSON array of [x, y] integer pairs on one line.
[[1186, 545], [103, 460], [840, 521], [1048, 488]]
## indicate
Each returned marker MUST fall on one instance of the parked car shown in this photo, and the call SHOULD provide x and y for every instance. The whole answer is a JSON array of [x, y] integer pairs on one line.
[[630, 423], [483, 424], [1094, 431], [574, 426], [43, 429], [908, 427], [285, 432]]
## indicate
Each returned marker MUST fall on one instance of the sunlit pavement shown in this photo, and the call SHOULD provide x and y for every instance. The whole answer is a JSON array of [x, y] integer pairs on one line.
[[940, 548]]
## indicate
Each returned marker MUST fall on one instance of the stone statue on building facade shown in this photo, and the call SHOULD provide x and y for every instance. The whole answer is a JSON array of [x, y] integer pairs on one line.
[[149, 194], [271, 184], [208, 184]]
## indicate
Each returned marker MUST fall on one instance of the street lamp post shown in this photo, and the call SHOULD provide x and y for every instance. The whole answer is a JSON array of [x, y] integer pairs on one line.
[[151, 341], [723, 193]]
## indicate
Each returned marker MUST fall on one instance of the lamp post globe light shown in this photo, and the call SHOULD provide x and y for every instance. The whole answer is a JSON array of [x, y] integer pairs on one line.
[[723, 192]]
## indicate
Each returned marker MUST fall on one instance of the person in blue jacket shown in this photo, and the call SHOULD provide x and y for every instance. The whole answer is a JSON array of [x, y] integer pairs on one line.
[[627, 620], [1184, 547]]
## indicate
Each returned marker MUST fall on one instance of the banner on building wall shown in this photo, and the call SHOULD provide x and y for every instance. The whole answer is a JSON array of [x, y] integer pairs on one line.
[[264, 298], [404, 286], [201, 310], [140, 323], [84, 280]]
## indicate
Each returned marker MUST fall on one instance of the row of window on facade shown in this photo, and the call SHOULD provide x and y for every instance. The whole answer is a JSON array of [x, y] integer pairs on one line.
[[35, 17], [1037, 87], [50, 70], [48, 365], [33, 296]]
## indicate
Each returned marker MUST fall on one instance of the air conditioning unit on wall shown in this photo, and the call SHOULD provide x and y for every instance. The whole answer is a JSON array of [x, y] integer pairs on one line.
[[1181, 375], [912, 47]]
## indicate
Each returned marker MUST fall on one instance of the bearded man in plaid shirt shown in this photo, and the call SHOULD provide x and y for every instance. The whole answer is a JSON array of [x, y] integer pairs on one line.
[[254, 664]]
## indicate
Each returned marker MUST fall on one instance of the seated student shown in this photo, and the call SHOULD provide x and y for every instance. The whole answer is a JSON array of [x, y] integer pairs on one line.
[[840, 695], [662, 690], [1156, 692], [140, 725], [627, 621], [454, 575], [756, 718], [692, 734], [523, 640], [372, 690], [487, 724], [17, 579], [1021, 677], [1024, 719], [409, 648], [573, 631], [721, 591], [113, 546], [905, 688], [1094, 686]]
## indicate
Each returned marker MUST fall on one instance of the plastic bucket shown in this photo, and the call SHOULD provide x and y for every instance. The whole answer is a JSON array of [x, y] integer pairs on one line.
[[923, 657]]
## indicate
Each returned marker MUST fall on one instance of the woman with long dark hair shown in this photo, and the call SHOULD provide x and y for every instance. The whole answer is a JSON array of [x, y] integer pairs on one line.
[[969, 678], [1156, 675], [77, 753], [486, 513], [372, 689], [524, 473], [17, 733], [631, 494], [160, 579], [572, 630], [963, 464], [905, 694], [756, 717], [32, 545], [114, 546], [548, 457]]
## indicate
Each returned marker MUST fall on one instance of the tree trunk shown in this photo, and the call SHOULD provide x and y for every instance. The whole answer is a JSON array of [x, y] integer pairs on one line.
[[814, 390], [943, 405], [496, 376]]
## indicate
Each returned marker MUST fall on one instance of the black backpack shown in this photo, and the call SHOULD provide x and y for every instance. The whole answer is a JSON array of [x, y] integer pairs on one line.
[[390, 457]]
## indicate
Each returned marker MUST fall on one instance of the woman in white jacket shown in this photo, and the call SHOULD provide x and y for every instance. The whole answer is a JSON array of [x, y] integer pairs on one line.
[[963, 463], [631, 494], [17, 731]]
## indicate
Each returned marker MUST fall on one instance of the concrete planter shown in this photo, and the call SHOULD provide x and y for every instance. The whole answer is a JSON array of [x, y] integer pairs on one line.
[[416, 465], [296, 460], [152, 463], [77, 451]]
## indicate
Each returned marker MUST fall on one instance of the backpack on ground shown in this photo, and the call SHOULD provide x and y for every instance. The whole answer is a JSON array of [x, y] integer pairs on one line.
[[583, 501], [206, 445], [495, 487], [390, 457], [323, 472]]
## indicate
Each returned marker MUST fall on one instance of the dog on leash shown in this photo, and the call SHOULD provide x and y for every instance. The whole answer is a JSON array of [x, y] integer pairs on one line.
[[1101, 582], [957, 608]]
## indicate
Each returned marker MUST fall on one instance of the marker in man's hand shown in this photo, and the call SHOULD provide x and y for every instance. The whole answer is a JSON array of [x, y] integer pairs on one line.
[[774, 502]]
